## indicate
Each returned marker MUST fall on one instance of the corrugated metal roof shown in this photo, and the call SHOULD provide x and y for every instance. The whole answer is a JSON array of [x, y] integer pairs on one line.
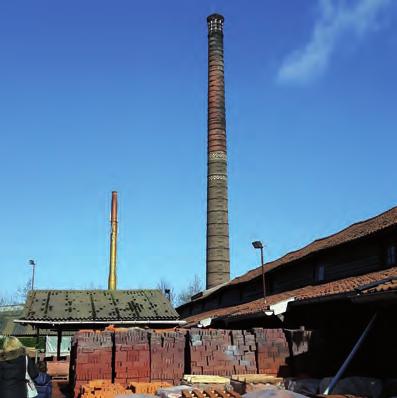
[[11, 307], [6, 322], [97, 305], [9, 328]]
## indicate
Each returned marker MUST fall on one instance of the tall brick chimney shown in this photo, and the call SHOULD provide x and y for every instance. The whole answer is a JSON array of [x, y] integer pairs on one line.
[[218, 262]]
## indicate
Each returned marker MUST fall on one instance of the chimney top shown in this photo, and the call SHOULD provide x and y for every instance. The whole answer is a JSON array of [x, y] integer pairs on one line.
[[215, 23], [215, 16]]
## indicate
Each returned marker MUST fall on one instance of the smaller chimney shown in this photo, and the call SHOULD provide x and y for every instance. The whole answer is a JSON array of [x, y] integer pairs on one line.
[[112, 284]]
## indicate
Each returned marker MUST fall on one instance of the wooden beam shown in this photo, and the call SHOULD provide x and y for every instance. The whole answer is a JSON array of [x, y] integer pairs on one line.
[[59, 342]]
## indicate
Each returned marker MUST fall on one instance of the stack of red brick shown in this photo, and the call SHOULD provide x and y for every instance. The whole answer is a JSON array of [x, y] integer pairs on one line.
[[221, 352], [167, 356], [137, 355], [244, 341], [132, 356], [102, 389], [91, 358], [272, 350]]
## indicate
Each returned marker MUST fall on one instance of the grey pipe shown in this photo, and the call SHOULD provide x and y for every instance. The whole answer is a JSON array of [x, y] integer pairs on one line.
[[342, 369]]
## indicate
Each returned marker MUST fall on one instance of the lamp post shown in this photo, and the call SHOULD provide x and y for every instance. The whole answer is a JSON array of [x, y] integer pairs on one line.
[[258, 245], [33, 264]]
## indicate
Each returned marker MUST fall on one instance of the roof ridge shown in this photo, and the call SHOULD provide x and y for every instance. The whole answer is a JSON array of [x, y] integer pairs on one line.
[[319, 240]]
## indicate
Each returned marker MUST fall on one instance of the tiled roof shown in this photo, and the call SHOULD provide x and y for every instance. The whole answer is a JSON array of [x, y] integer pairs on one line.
[[353, 232], [97, 305], [342, 286], [349, 234], [381, 286]]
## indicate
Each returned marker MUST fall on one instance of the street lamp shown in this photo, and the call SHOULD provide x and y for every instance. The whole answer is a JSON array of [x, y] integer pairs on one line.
[[33, 264], [258, 245]]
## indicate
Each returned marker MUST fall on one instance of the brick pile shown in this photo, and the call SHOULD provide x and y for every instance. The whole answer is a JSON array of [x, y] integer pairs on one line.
[[221, 352], [167, 362], [244, 341], [132, 356], [91, 358], [272, 350], [102, 389], [137, 355], [147, 388]]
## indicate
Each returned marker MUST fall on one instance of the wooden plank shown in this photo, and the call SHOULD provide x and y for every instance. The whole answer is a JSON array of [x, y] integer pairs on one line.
[[257, 378]]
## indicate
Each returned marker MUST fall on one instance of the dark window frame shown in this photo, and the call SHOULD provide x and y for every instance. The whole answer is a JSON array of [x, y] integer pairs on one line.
[[319, 273]]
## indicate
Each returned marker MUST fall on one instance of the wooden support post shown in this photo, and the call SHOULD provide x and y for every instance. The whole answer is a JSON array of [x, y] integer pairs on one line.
[[37, 344], [59, 342]]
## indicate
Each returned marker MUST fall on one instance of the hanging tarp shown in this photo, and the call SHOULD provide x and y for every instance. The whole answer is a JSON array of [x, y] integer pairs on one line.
[[51, 345]]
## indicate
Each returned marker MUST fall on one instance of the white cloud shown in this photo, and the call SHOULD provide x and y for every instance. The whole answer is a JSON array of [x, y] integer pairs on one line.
[[337, 18]]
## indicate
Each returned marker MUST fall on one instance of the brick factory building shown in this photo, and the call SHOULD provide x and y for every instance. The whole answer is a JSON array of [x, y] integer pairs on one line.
[[342, 265], [339, 266], [323, 296]]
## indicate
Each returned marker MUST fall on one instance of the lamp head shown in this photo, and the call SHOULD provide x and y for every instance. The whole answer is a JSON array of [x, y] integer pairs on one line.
[[257, 244]]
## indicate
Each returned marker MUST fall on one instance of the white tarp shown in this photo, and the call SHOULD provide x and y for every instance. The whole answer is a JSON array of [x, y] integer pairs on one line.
[[51, 345], [281, 306]]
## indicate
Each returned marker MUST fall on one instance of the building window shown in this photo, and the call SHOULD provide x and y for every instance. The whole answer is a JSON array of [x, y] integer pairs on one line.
[[391, 255], [319, 273]]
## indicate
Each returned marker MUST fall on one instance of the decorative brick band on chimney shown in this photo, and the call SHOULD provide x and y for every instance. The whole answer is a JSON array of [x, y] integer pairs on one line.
[[218, 262]]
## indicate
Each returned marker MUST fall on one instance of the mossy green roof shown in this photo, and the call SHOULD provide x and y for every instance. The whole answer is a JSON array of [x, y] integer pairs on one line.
[[87, 306]]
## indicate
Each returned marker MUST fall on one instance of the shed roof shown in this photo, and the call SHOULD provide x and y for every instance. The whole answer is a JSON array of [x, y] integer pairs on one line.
[[7, 316], [97, 306], [9, 328]]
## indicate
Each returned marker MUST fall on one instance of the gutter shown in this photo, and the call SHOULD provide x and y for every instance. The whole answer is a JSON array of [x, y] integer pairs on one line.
[[54, 323], [321, 299]]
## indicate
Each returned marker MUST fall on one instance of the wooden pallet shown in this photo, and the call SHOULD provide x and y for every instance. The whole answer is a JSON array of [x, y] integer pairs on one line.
[[209, 393], [60, 377]]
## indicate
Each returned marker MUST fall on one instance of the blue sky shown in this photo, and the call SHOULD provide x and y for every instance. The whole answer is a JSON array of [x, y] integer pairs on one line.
[[99, 96]]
